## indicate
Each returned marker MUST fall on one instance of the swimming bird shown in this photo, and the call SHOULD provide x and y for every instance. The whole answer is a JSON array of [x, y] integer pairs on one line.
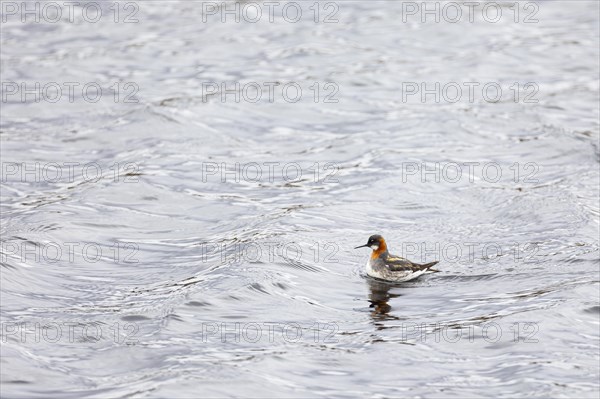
[[384, 266]]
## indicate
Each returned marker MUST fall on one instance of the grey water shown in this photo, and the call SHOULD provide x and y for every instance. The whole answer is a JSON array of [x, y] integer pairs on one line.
[[182, 189]]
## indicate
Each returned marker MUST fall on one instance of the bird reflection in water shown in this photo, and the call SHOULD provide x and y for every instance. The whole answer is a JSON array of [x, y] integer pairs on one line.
[[379, 295]]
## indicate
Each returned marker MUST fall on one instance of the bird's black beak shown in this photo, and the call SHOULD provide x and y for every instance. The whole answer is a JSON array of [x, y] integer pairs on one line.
[[361, 246]]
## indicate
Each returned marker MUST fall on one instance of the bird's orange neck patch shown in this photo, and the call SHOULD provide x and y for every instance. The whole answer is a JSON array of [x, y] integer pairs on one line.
[[382, 248]]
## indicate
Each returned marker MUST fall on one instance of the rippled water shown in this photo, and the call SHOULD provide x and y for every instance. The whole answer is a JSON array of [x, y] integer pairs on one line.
[[181, 274]]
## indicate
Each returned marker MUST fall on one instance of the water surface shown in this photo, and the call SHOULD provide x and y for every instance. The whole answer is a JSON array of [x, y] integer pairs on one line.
[[180, 274]]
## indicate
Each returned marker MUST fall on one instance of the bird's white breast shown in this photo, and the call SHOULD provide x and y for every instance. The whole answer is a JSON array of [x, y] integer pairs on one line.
[[375, 273], [370, 270]]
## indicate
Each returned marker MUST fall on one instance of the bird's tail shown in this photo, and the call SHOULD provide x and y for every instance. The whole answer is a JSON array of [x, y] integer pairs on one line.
[[428, 266]]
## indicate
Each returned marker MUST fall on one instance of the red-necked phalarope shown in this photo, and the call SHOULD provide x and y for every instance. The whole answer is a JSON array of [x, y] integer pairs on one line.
[[384, 266]]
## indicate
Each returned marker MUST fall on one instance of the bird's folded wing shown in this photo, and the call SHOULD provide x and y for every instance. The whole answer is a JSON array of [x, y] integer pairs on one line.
[[396, 264]]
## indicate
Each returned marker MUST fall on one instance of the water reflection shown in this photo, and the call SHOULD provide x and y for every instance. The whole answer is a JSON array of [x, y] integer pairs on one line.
[[379, 295]]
